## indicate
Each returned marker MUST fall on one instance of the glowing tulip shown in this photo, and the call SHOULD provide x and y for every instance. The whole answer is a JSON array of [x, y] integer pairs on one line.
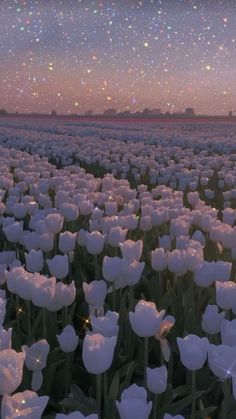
[[98, 352], [34, 260], [105, 325], [68, 340], [193, 351], [24, 405], [212, 319], [146, 320], [58, 266], [157, 379], [11, 370], [134, 403]]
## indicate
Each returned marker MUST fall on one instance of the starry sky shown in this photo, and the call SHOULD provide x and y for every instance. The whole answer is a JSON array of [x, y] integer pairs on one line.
[[75, 55]]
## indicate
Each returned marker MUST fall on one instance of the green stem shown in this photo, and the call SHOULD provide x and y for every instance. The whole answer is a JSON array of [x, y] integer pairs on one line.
[[96, 271], [192, 295], [105, 395], [193, 407], [66, 316], [145, 361], [99, 394], [160, 283], [55, 244], [226, 391], [70, 269], [131, 297], [18, 312], [113, 297], [44, 323], [68, 372], [155, 406], [29, 317]]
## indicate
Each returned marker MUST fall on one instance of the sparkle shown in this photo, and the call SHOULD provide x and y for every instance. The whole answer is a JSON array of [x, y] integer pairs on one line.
[[19, 310], [96, 50]]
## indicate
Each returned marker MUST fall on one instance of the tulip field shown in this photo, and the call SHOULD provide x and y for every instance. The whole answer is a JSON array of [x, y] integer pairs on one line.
[[117, 269]]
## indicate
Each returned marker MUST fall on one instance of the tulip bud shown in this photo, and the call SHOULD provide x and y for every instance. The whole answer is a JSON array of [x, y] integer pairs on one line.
[[54, 222], [5, 338], [116, 236], [67, 241], [68, 340], [42, 290], [132, 271], [175, 261], [212, 319], [228, 332], [225, 294], [59, 266], [95, 293], [24, 405], [134, 403], [193, 351], [131, 250], [221, 360], [146, 320], [98, 352], [11, 370], [204, 275], [157, 379], [159, 259], [105, 325], [36, 355], [34, 260], [14, 232], [165, 242], [46, 242], [199, 237], [112, 268], [94, 242], [69, 211]]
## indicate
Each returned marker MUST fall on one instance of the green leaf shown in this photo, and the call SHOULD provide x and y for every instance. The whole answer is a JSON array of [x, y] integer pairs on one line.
[[181, 391], [177, 407], [49, 375], [78, 395], [203, 414], [72, 405], [114, 389], [228, 407]]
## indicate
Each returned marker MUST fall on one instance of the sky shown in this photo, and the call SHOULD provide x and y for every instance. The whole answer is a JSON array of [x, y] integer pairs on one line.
[[76, 55]]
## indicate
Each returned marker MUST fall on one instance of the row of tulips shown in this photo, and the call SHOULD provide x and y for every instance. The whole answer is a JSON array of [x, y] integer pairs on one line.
[[105, 289], [182, 157]]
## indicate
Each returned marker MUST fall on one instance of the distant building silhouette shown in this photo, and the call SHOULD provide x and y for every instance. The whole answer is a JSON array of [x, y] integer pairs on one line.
[[146, 111], [155, 111], [110, 112], [189, 111], [125, 113], [230, 113], [88, 113], [3, 112], [53, 113]]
